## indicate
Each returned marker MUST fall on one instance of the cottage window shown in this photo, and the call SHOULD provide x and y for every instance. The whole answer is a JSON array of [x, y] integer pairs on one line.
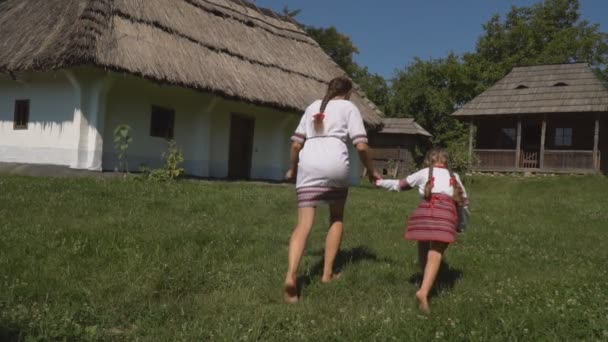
[[22, 114], [563, 137], [162, 122]]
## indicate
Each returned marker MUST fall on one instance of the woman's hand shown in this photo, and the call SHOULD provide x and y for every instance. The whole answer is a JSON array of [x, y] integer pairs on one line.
[[290, 175], [373, 176]]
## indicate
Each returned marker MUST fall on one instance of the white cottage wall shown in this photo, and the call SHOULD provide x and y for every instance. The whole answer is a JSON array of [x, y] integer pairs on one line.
[[50, 135], [202, 129], [73, 115], [130, 102]]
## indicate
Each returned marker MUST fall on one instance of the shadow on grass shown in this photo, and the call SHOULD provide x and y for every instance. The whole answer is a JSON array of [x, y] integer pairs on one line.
[[9, 334], [343, 259], [446, 279]]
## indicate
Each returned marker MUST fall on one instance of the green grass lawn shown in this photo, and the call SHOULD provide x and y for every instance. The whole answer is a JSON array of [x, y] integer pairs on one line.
[[86, 259]]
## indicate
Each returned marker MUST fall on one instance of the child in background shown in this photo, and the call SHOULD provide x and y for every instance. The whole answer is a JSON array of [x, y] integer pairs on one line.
[[433, 223]]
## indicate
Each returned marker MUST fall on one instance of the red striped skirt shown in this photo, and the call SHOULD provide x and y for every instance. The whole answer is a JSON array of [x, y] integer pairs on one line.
[[316, 195], [433, 220]]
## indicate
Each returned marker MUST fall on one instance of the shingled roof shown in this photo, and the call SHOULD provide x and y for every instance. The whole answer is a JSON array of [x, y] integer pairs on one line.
[[542, 89], [402, 126], [228, 47]]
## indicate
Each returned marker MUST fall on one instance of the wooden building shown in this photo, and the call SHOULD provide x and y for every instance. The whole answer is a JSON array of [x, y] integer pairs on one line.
[[545, 118], [393, 145]]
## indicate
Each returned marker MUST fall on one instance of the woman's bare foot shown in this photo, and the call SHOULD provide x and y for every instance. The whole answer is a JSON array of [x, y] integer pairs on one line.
[[423, 302], [291, 291], [333, 276]]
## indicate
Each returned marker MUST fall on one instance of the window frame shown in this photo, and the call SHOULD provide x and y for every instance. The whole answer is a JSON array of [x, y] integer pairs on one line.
[[158, 113], [561, 138], [21, 114]]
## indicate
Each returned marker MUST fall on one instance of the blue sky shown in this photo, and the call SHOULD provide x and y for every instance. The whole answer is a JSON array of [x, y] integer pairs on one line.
[[390, 33]]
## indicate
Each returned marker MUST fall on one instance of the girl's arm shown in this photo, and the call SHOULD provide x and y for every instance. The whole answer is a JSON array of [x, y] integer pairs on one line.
[[407, 183], [394, 184]]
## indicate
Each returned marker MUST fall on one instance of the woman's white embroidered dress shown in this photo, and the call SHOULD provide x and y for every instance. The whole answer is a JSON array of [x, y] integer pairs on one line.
[[323, 166]]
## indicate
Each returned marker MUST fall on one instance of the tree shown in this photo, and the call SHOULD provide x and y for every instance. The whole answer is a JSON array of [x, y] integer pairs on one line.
[[545, 33], [429, 91], [337, 45], [342, 50], [549, 32], [289, 13]]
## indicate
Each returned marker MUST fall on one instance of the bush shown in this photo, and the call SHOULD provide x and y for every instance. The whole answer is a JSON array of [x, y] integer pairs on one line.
[[171, 170], [459, 155]]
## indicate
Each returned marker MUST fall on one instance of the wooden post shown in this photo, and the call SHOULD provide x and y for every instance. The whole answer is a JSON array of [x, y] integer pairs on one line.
[[543, 132], [518, 144], [470, 142], [596, 140], [399, 161]]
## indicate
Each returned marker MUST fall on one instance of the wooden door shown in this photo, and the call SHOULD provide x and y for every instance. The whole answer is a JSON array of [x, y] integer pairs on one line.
[[241, 146]]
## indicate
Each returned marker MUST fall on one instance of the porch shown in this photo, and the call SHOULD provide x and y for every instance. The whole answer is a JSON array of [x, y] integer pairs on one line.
[[558, 143]]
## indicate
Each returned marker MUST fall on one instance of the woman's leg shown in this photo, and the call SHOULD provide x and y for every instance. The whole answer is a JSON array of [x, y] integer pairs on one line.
[[430, 273], [333, 239], [297, 242], [423, 251]]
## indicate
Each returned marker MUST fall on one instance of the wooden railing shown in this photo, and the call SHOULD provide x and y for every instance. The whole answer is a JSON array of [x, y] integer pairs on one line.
[[554, 160], [574, 160], [495, 159]]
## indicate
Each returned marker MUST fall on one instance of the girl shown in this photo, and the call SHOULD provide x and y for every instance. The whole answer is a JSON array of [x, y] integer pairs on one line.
[[319, 162], [433, 223]]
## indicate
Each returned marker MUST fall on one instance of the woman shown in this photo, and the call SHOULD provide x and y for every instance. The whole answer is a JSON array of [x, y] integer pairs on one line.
[[319, 162]]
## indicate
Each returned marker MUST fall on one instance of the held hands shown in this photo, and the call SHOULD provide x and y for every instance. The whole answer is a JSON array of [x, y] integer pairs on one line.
[[388, 184], [374, 177]]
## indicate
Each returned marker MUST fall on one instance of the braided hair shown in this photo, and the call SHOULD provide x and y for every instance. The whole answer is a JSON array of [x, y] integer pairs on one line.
[[339, 86], [441, 156]]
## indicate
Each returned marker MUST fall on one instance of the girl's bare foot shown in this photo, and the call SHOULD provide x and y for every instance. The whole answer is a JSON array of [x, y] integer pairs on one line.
[[291, 291], [333, 276], [423, 302]]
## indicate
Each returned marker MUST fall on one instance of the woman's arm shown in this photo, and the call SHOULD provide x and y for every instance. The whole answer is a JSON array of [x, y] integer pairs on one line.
[[294, 156], [366, 158]]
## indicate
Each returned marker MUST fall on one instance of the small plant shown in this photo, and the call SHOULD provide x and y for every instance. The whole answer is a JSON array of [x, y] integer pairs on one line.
[[171, 170], [173, 160], [122, 139]]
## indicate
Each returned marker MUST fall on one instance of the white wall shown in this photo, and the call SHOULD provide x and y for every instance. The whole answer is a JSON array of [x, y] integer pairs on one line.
[[49, 138], [130, 102], [202, 129], [73, 115]]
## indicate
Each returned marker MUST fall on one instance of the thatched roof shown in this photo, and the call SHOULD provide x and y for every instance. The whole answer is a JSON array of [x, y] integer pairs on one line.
[[402, 126], [228, 47], [561, 88]]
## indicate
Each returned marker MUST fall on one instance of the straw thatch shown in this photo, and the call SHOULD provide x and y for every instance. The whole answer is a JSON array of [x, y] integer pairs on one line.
[[228, 47], [402, 126], [561, 88]]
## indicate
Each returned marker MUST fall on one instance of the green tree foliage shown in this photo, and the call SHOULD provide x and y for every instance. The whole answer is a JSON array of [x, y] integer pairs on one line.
[[342, 50], [548, 32], [337, 45], [545, 33], [429, 91]]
